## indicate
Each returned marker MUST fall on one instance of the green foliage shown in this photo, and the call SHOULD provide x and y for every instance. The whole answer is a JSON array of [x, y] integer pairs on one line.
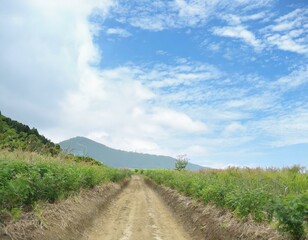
[[271, 195], [292, 212], [181, 162], [83, 159], [28, 178], [16, 214], [15, 135]]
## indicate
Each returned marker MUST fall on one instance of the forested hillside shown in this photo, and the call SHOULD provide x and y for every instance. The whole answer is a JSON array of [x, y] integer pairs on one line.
[[15, 135]]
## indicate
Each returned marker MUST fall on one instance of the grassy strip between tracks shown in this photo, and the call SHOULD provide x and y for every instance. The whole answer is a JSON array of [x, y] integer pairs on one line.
[[279, 197], [26, 178]]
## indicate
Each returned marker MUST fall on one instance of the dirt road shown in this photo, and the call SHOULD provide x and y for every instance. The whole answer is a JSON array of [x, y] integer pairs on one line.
[[137, 214]]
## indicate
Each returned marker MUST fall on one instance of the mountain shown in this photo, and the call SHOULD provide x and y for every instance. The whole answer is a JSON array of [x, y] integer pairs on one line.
[[17, 136], [117, 158]]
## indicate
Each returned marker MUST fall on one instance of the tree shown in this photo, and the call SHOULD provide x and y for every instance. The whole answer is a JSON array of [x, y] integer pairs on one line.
[[181, 162]]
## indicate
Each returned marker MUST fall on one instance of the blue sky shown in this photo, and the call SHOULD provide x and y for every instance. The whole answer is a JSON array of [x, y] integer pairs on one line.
[[225, 82]]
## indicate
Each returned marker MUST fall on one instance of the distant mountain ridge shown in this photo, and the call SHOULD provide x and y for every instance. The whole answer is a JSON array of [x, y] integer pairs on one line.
[[117, 158]]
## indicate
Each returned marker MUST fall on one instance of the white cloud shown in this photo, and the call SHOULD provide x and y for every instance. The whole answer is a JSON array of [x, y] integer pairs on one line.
[[186, 73], [177, 121], [214, 47], [252, 103], [253, 17], [283, 26], [287, 129], [234, 127], [239, 32], [161, 52], [196, 150], [289, 33], [118, 32], [294, 80], [292, 15], [287, 43], [234, 19], [192, 12], [45, 48]]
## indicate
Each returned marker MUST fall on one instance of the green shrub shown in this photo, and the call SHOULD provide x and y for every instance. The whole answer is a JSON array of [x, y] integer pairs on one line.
[[292, 213]]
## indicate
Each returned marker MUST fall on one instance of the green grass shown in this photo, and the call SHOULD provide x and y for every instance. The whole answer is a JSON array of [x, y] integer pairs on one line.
[[279, 197], [26, 178]]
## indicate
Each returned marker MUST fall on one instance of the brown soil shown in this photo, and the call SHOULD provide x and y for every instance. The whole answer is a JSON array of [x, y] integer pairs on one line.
[[65, 220], [211, 223], [138, 213]]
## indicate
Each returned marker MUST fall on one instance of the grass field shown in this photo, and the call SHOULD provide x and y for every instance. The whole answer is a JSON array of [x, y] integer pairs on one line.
[[279, 197]]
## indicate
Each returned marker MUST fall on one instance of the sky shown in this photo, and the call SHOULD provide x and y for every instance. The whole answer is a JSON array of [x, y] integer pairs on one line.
[[224, 82]]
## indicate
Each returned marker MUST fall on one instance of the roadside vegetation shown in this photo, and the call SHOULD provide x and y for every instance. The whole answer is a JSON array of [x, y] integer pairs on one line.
[[276, 196], [27, 178]]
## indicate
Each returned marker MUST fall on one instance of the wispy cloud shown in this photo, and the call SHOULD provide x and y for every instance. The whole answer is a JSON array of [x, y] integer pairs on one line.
[[234, 127], [193, 12], [290, 32], [295, 79], [118, 32], [239, 32], [161, 52], [184, 73], [243, 117], [287, 43], [286, 128], [160, 15], [235, 19]]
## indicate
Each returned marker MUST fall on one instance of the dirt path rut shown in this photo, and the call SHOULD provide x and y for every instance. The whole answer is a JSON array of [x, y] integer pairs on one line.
[[137, 213]]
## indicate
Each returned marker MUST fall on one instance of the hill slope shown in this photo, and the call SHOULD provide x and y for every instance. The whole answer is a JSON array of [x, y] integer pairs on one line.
[[15, 135], [117, 158]]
